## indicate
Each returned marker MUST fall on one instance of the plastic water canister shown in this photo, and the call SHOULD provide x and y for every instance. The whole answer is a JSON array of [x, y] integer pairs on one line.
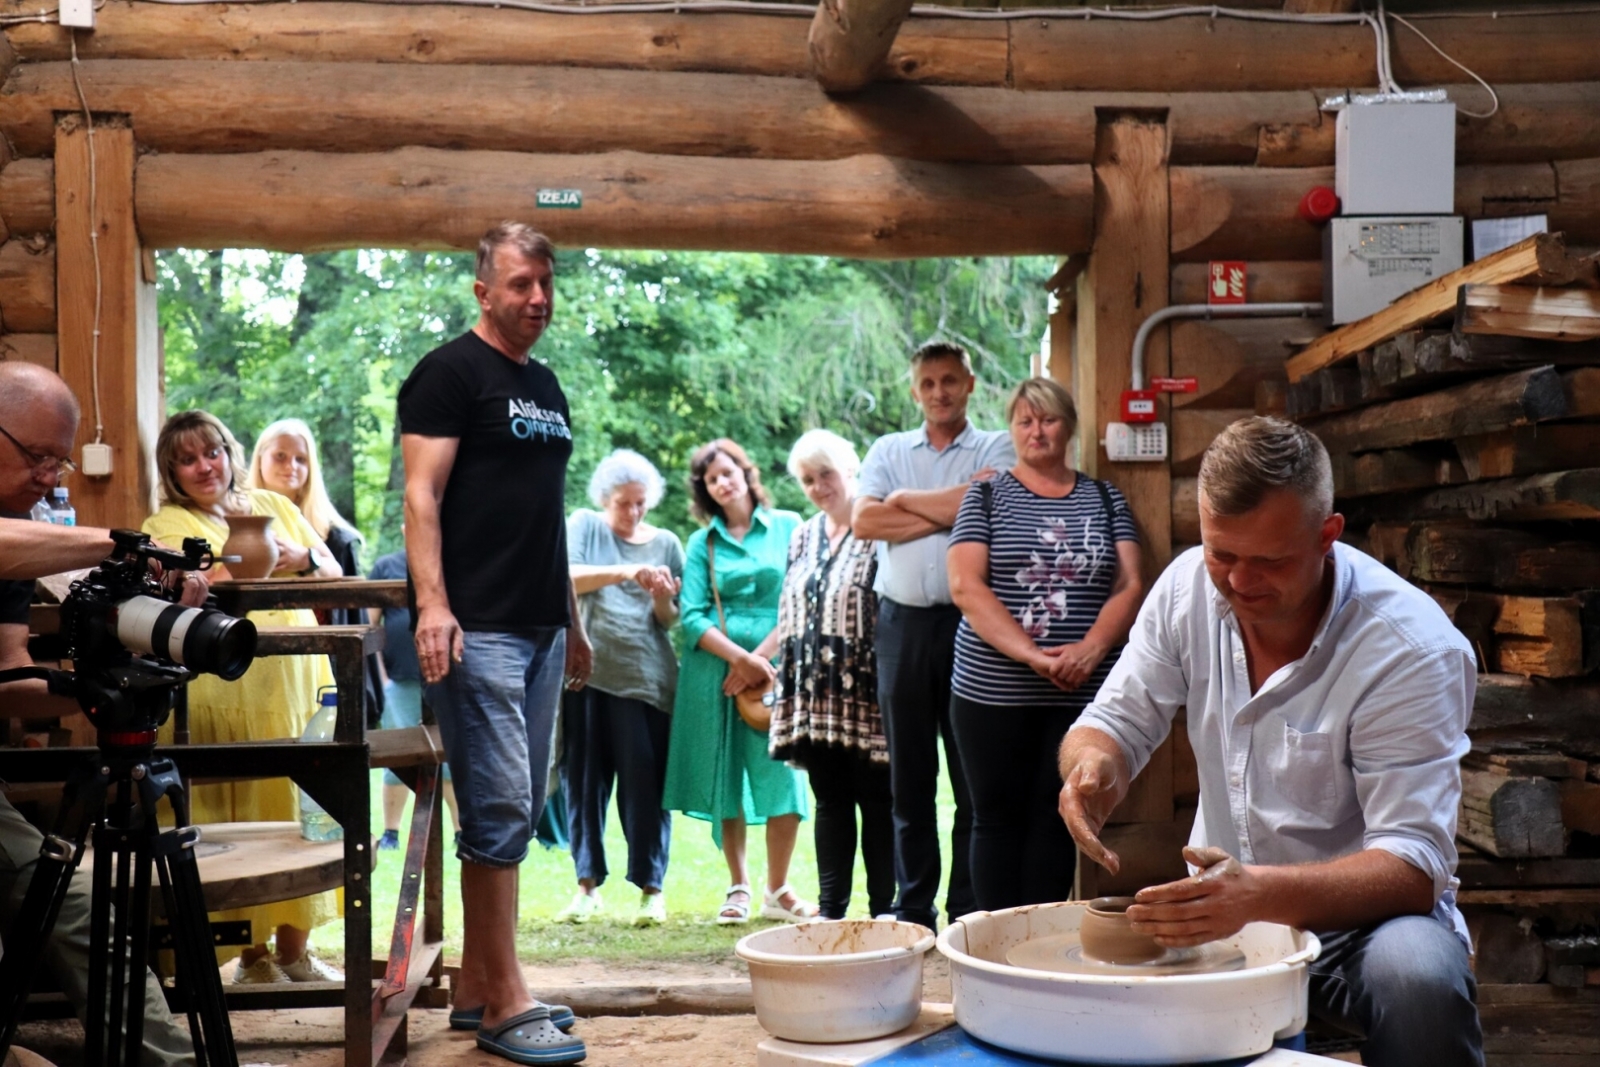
[[315, 822]]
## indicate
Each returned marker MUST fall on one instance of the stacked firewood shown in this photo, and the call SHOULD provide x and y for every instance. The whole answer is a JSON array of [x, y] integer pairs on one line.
[[1464, 426]]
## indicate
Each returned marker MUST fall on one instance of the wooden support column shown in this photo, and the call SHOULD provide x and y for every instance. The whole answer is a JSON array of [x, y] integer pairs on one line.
[[129, 370], [1126, 280]]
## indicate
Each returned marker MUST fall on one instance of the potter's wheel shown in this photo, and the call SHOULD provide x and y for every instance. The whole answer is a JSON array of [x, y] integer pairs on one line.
[[1063, 954]]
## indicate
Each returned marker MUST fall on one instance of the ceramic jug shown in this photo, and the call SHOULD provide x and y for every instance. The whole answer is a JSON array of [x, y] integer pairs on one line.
[[250, 539]]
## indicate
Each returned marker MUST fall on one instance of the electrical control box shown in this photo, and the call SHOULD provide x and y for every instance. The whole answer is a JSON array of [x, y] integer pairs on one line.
[[1396, 158], [1136, 442], [1370, 262], [77, 14]]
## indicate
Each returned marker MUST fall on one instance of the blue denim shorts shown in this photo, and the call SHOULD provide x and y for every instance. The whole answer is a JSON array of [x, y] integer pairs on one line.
[[497, 714]]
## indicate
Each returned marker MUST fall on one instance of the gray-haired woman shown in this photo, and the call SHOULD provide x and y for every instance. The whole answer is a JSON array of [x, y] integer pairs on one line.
[[627, 574]]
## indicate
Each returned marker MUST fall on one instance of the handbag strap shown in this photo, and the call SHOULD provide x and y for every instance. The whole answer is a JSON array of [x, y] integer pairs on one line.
[[711, 566]]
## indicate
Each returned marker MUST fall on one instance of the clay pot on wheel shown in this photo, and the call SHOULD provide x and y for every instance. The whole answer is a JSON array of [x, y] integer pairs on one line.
[[1106, 935], [250, 540]]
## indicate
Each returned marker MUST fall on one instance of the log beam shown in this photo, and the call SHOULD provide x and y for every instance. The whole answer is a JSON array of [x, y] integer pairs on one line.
[[124, 364], [850, 39], [37, 348], [28, 197], [222, 106], [429, 198], [1266, 282], [28, 286], [1049, 53]]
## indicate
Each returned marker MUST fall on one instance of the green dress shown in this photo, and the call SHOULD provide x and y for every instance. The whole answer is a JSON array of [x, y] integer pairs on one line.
[[717, 767]]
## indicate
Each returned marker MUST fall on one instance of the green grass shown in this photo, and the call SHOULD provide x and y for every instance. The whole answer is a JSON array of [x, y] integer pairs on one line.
[[696, 879]]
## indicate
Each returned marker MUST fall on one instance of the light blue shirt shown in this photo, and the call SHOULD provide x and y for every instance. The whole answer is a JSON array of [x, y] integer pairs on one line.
[[913, 573], [1356, 745]]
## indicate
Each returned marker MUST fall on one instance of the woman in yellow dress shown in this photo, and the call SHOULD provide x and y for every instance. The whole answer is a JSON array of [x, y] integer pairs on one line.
[[200, 463]]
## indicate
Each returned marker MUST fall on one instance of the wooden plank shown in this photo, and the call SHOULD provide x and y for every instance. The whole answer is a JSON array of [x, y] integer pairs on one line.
[[850, 39], [1130, 244], [1527, 450], [1580, 806], [1193, 430], [1416, 361], [1484, 406], [1479, 871], [1535, 707], [1507, 559], [28, 286], [1394, 470], [1539, 1025], [1572, 494], [1186, 511], [1545, 637], [1542, 256], [1270, 282], [125, 363], [1511, 817], [431, 198], [1506, 950], [1230, 358], [37, 348], [28, 196], [1528, 311]]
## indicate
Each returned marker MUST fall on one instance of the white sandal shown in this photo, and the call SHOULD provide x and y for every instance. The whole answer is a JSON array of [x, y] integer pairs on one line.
[[741, 912], [772, 906]]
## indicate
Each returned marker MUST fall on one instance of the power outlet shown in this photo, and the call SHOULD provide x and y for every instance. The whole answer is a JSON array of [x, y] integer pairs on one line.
[[1144, 442], [78, 14]]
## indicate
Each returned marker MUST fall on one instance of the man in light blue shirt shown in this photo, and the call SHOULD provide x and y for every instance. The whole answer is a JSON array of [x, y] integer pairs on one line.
[[910, 489], [1327, 704]]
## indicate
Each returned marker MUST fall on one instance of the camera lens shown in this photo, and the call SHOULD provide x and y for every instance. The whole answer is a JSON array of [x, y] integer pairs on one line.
[[201, 639]]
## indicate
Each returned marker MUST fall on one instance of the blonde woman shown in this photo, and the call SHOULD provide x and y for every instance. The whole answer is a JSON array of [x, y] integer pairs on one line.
[[198, 461], [285, 461]]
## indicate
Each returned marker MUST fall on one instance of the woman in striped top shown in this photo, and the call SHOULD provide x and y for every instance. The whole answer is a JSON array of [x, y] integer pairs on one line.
[[1044, 565]]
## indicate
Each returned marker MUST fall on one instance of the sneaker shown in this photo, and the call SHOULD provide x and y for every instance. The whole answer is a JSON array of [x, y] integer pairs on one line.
[[584, 907], [390, 841], [262, 972], [308, 968], [652, 909]]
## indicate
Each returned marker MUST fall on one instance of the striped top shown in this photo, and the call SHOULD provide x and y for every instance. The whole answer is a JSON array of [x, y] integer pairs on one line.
[[1052, 563]]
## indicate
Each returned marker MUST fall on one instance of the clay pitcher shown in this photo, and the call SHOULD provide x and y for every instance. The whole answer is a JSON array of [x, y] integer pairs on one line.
[[1107, 937], [249, 539]]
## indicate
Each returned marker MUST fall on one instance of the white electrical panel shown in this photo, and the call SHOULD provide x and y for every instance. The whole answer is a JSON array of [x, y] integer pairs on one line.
[[1136, 442], [78, 14], [1395, 159], [1368, 263]]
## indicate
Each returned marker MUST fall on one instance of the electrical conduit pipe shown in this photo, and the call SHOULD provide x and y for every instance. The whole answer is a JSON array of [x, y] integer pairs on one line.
[[1207, 311]]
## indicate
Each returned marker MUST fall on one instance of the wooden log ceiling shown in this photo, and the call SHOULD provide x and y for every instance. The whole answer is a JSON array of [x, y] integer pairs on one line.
[[850, 39]]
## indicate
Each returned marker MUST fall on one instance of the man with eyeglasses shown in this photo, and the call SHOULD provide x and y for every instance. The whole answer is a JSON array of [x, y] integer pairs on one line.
[[39, 419]]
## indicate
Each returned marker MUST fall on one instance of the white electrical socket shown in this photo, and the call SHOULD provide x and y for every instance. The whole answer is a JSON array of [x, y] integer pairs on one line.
[[97, 460], [1136, 442], [77, 13]]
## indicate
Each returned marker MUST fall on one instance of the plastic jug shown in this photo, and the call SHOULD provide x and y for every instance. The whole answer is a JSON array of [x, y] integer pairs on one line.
[[315, 822]]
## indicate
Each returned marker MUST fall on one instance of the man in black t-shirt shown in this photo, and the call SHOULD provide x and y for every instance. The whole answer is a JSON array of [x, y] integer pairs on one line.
[[486, 439], [39, 419]]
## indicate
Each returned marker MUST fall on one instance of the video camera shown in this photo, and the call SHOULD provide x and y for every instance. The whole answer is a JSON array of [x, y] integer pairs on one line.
[[132, 645]]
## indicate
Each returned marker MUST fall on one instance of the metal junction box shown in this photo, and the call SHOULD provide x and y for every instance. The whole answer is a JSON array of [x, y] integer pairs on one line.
[[1396, 159], [1367, 263]]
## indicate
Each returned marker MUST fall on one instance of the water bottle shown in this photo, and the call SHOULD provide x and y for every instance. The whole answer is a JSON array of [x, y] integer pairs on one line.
[[315, 823], [62, 513]]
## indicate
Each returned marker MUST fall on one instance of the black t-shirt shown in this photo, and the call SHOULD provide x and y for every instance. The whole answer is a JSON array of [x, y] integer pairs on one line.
[[503, 517], [15, 597]]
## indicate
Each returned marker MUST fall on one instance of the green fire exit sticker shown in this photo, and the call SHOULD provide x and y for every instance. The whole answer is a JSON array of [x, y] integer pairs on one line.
[[559, 198]]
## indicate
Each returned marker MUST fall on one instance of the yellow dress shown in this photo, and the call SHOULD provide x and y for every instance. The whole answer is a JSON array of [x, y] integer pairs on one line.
[[275, 698]]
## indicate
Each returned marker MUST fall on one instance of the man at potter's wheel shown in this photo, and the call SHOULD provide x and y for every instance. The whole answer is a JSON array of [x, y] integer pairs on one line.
[[1327, 705]]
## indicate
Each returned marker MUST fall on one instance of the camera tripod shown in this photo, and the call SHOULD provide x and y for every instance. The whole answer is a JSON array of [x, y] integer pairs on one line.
[[128, 843]]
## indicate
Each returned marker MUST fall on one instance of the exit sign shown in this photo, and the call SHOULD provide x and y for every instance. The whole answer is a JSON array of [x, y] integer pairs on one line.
[[1225, 282], [559, 198]]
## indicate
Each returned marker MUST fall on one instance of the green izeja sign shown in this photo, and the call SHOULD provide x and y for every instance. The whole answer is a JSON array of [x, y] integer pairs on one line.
[[559, 198]]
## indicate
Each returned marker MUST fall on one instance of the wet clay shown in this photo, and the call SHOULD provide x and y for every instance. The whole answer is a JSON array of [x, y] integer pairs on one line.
[[1063, 954], [1108, 937]]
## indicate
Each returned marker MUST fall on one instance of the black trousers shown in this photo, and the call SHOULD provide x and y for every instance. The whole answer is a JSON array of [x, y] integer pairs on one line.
[[916, 656], [1021, 850], [842, 781]]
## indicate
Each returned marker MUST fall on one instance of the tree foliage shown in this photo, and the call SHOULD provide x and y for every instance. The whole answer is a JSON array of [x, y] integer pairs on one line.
[[657, 351]]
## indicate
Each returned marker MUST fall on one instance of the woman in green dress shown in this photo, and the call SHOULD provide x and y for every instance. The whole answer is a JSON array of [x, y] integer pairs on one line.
[[717, 766]]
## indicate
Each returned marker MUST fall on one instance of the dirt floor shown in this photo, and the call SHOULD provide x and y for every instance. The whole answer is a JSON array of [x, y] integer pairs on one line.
[[312, 1038]]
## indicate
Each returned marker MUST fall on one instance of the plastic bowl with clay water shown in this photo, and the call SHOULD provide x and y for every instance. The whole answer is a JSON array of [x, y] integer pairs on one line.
[[828, 982]]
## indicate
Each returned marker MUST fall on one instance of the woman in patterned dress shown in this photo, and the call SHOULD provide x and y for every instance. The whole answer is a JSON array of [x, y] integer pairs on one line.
[[826, 716]]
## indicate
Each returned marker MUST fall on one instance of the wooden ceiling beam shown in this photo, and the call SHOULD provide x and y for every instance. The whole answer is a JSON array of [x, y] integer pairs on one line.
[[850, 39]]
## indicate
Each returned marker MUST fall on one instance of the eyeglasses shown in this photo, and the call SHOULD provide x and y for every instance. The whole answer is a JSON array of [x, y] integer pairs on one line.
[[45, 465]]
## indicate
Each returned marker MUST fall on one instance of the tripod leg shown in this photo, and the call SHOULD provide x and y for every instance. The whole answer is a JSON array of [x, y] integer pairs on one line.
[[31, 927]]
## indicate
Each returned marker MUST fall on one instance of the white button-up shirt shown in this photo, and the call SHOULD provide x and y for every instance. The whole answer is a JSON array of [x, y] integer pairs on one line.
[[1356, 745], [913, 572]]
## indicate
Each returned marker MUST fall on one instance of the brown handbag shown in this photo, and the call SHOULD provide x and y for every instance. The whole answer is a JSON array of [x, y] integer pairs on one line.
[[755, 704]]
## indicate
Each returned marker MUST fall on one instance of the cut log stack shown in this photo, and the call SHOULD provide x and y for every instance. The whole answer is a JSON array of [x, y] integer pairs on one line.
[[1464, 426]]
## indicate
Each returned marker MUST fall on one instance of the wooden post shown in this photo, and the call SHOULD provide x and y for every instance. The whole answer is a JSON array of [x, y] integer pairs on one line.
[[129, 372]]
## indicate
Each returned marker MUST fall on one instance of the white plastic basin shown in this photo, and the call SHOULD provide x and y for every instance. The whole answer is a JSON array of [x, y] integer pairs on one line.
[[1099, 1018], [828, 982]]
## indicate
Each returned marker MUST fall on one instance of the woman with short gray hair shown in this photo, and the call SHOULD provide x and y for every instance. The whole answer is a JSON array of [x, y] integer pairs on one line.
[[627, 574]]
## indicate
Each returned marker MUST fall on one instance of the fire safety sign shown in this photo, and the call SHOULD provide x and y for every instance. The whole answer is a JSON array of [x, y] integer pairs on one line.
[[1226, 282]]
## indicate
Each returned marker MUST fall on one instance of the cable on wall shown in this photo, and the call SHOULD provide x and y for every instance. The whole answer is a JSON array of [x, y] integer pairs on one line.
[[94, 247]]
